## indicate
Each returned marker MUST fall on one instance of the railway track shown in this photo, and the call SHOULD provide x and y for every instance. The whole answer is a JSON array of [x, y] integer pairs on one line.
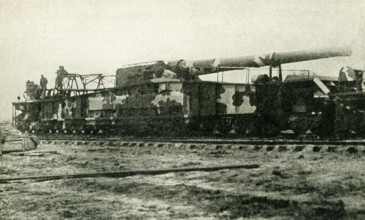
[[253, 144], [284, 139]]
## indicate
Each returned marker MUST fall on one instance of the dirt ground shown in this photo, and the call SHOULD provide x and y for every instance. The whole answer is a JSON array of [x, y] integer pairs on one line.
[[287, 185]]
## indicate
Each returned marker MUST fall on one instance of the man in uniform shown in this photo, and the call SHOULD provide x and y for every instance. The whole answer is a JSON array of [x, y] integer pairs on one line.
[[60, 73], [2, 141], [43, 82], [359, 79]]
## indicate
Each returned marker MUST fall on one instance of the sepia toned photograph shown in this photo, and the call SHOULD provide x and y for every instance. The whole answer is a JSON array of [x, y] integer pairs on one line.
[[194, 109]]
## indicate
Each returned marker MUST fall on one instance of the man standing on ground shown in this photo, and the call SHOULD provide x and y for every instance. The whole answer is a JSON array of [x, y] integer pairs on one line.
[[2, 141]]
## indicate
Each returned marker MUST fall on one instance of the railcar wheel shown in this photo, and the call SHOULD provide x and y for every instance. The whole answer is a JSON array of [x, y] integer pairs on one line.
[[78, 130], [241, 126], [193, 127], [89, 130], [207, 126], [44, 130], [179, 127], [325, 128], [299, 131], [322, 132], [241, 130], [268, 130], [356, 125], [168, 128], [107, 131], [38, 131], [224, 129], [300, 124]]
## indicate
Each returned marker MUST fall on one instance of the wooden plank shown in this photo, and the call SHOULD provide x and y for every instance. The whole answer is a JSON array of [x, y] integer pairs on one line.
[[128, 173]]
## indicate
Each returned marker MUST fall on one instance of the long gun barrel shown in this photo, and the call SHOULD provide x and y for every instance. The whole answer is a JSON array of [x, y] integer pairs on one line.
[[189, 70], [272, 59]]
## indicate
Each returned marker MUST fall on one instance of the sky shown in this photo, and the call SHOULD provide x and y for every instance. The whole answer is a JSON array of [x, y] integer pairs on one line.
[[98, 36]]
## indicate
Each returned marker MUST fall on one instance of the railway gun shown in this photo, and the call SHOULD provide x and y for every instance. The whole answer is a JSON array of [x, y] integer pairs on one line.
[[169, 98]]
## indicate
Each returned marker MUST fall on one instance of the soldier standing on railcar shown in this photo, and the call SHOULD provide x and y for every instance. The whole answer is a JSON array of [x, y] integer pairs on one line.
[[60, 74], [43, 82]]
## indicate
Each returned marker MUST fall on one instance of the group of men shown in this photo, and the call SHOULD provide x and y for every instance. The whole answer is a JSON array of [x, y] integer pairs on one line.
[[61, 72], [33, 91]]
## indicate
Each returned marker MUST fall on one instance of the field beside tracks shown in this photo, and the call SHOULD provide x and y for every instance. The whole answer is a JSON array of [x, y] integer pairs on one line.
[[285, 185]]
